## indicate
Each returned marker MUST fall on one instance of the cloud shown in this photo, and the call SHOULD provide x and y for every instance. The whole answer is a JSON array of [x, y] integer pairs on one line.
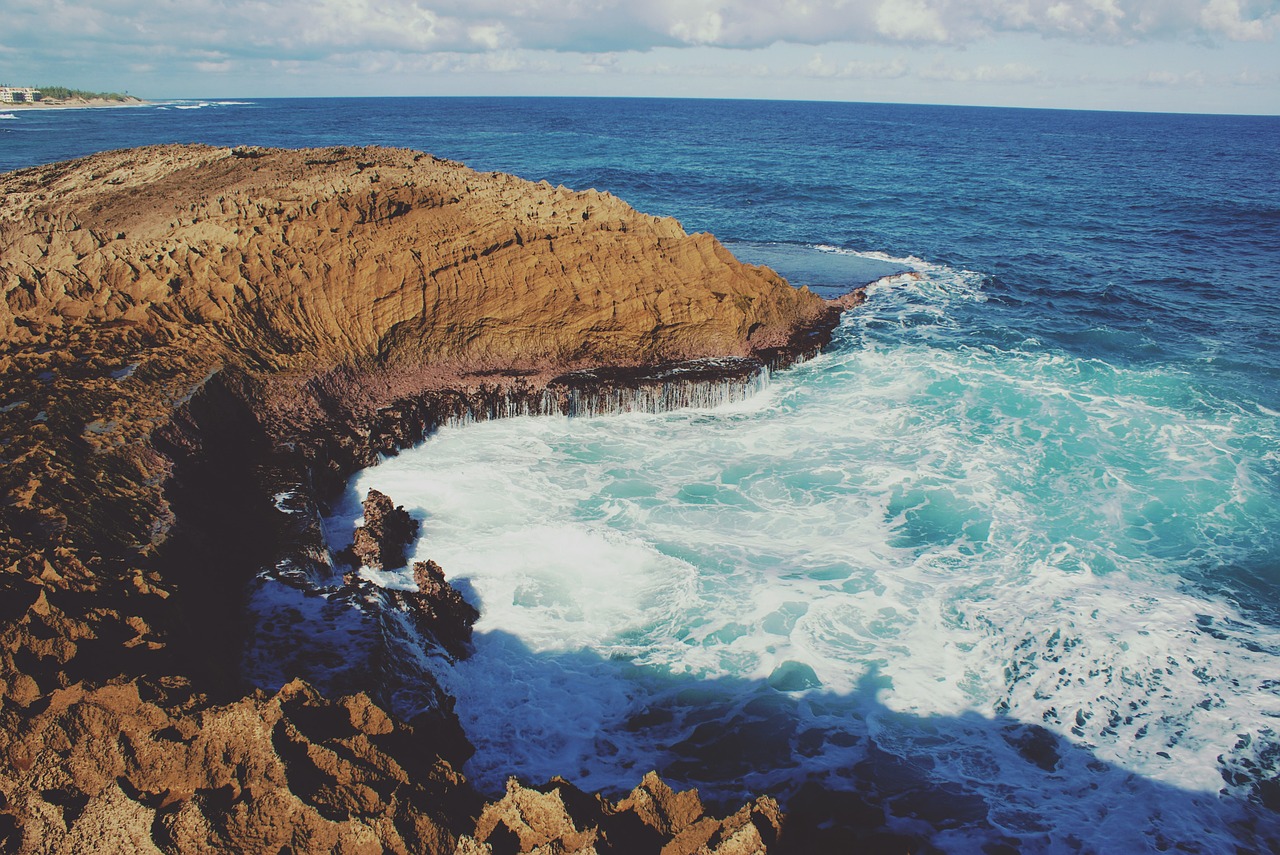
[[1177, 80], [1226, 17], [1010, 72], [214, 67], [854, 70], [316, 29], [910, 20]]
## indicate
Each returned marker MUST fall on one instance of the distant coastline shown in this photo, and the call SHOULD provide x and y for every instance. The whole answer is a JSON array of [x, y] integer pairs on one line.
[[74, 103]]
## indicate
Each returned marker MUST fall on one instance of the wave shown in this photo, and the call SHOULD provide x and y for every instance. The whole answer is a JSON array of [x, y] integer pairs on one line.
[[1006, 537]]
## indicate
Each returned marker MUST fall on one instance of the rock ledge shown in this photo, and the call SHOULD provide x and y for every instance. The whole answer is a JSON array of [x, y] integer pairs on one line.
[[201, 344]]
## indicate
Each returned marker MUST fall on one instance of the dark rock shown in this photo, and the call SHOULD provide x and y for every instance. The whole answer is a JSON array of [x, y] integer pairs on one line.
[[439, 609], [381, 543]]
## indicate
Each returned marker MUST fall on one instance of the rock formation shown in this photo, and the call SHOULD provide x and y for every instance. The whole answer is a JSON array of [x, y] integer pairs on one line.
[[200, 345], [386, 534], [561, 818], [440, 608]]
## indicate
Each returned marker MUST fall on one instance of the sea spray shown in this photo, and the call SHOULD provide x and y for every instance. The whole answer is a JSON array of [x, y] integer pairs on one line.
[[960, 570]]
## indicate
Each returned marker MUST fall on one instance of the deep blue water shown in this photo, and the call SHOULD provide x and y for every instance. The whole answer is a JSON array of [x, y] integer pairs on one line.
[[1037, 487], [1134, 237]]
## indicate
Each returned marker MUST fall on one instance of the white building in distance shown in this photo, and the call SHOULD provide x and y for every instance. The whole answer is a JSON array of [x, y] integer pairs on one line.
[[18, 94]]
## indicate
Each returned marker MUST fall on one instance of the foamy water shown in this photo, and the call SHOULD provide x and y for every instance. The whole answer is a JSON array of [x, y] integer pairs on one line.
[[880, 573]]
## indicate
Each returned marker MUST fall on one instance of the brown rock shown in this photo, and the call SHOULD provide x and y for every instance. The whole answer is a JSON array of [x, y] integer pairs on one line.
[[112, 771], [662, 809], [179, 320], [440, 608], [532, 820], [387, 532], [652, 819]]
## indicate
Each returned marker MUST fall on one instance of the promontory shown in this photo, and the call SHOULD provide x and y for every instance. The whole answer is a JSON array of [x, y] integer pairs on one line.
[[199, 346]]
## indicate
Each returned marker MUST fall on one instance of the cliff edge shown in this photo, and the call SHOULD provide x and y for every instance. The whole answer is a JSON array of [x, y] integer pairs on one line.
[[200, 344]]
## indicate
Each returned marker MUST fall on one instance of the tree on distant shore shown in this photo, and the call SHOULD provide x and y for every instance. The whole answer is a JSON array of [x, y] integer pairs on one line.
[[62, 93]]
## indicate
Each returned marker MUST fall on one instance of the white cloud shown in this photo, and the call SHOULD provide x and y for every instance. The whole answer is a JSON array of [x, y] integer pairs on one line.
[[1070, 52], [1010, 72], [854, 69], [488, 36], [1226, 17], [310, 29], [1180, 80], [910, 20]]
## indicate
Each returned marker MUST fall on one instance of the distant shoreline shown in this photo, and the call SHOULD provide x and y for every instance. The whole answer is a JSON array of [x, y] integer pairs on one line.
[[74, 103]]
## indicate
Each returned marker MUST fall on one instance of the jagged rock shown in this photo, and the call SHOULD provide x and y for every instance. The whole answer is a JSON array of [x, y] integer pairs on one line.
[[440, 609], [387, 532], [660, 808], [120, 769], [559, 818], [531, 820]]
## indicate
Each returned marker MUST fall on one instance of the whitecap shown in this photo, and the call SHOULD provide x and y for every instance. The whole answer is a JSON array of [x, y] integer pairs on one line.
[[956, 540]]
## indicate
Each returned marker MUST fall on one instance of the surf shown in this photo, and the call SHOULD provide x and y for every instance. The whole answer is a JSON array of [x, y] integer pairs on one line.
[[922, 525]]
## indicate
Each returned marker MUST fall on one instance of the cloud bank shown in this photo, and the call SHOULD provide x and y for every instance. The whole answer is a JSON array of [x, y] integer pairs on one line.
[[1197, 55], [311, 29]]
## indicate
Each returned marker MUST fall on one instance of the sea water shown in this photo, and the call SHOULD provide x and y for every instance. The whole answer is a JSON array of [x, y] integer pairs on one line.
[[908, 547], [1005, 559]]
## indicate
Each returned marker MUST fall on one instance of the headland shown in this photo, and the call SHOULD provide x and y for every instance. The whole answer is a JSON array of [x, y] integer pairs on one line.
[[202, 344]]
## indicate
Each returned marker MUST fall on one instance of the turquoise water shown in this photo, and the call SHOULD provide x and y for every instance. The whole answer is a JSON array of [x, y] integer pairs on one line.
[[926, 543], [1006, 559]]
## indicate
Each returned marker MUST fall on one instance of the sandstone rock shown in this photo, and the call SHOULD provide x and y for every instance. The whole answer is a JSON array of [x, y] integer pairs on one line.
[[181, 321], [118, 769]]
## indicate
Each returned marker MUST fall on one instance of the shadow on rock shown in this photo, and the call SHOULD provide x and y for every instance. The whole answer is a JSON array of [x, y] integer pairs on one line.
[[850, 773]]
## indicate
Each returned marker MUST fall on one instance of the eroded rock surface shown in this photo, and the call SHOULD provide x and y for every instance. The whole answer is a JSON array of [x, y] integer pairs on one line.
[[134, 767], [653, 818], [200, 345]]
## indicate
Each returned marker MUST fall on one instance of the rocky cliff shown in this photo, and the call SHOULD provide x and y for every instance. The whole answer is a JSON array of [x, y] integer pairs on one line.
[[200, 344]]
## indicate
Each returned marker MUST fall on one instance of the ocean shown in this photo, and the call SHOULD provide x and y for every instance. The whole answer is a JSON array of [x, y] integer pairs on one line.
[[1005, 558]]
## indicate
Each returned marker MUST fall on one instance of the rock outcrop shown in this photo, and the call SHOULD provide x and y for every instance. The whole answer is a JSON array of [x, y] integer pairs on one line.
[[385, 535], [133, 767], [200, 345], [440, 609], [561, 818]]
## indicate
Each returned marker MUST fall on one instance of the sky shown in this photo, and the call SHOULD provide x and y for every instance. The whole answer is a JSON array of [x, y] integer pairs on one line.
[[1204, 56]]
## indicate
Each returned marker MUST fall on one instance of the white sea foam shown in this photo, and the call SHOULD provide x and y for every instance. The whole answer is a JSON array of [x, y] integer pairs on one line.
[[957, 540]]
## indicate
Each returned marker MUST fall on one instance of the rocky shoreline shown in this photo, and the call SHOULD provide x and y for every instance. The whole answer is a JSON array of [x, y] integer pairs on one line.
[[77, 104], [202, 346]]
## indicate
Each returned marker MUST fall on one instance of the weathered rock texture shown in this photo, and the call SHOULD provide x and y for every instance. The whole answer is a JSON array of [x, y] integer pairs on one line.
[[561, 818], [200, 344]]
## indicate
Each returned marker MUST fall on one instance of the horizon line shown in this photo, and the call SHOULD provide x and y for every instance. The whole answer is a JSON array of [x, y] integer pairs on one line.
[[1141, 112]]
